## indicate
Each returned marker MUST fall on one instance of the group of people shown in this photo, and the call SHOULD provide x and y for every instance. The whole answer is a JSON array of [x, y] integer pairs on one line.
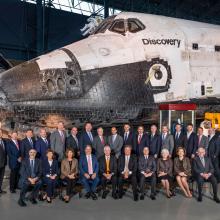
[[133, 158]]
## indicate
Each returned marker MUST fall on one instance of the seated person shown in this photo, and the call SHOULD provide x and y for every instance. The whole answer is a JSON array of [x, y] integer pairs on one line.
[[89, 168], [50, 172], [182, 171], [203, 171], [108, 171], [165, 171], [147, 169], [127, 169], [30, 175], [69, 172]]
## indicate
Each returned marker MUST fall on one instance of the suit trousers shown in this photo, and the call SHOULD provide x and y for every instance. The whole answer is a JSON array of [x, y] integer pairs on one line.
[[35, 189], [14, 177], [2, 173], [113, 180], [50, 186], [131, 179], [200, 181], [151, 180], [90, 184], [70, 185], [215, 162]]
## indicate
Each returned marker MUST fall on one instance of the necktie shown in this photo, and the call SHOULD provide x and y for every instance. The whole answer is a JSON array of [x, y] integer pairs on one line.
[[200, 138], [107, 165], [16, 143], [113, 138], [177, 136], [76, 140], [139, 138], [45, 140], [2, 144], [62, 136], [163, 137], [90, 165], [203, 161], [32, 169], [31, 142], [90, 136], [126, 164], [102, 140], [126, 136]]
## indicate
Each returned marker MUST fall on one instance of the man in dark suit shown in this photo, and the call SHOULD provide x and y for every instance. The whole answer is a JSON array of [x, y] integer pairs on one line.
[[3, 160], [180, 139], [203, 140], [57, 141], [127, 169], [27, 144], [141, 141], [14, 155], [108, 171], [99, 142], [89, 169], [192, 142], [42, 144], [30, 176], [86, 138], [147, 171], [73, 142], [204, 171], [167, 140], [213, 151], [154, 142], [115, 141], [128, 138]]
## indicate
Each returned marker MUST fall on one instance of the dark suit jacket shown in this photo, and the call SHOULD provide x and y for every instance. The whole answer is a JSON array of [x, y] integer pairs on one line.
[[71, 143], [191, 146], [181, 141], [25, 147], [25, 171], [214, 147], [83, 165], [199, 168], [3, 153], [47, 169], [144, 143], [83, 141], [129, 141], [13, 154], [41, 147], [98, 146], [132, 165], [102, 165], [154, 144], [147, 165]]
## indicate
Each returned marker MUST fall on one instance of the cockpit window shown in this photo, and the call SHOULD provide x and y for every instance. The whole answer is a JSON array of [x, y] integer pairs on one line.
[[104, 25], [134, 25], [118, 26]]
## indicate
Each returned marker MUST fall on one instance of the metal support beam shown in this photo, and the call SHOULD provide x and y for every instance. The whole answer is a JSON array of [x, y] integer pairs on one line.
[[106, 8]]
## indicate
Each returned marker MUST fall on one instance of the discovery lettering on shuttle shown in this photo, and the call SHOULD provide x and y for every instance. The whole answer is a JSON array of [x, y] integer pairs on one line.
[[172, 42]]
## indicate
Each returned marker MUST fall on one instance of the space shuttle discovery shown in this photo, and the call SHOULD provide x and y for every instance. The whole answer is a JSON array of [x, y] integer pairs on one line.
[[130, 62]]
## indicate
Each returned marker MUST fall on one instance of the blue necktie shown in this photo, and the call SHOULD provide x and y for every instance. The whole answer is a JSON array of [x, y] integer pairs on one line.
[[32, 169]]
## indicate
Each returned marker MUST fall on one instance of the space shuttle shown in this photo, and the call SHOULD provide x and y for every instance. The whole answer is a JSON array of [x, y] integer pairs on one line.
[[130, 62]]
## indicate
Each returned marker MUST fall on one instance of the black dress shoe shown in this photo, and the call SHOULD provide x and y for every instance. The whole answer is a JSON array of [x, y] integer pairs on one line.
[[152, 197], [120, 195], [104, 195], [33, 201], [13, 191], [2, 192], [94, 197], [216, 199], [136, 197], [114, 196], [21, 203], [142, 197], [199, 199], [87, 195]]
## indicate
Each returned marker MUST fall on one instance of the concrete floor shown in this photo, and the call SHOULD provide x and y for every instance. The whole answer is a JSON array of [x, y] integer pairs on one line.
[[178, 207]]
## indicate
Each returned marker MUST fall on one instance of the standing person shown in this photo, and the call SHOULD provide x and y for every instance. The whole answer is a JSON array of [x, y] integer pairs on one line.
[[127, 169], [108, 171], [73, 142], [14, 155], [89, 169], [182, 170], [57, 141], [204, 171], [147, 170], [180, 139], [116, 142], [203, 140], [27, 143], [213, 151], [50, 173], [86, 138], [141, 141], [42, 144], [3, 160], [128, 137], [167, 140], [69, 172], [192, 142], [30, 175], [99, 142], [154, 142]]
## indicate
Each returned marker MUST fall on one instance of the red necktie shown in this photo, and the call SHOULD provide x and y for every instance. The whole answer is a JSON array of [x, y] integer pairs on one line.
[[139, 138], [102, 140], [17, 145]]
